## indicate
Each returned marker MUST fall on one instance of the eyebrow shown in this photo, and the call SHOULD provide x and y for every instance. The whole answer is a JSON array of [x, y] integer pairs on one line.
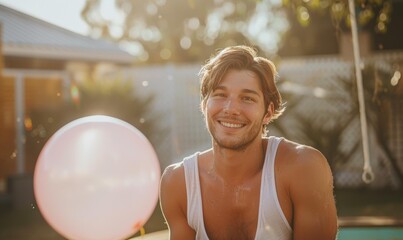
[[250, 91], [245, 90]]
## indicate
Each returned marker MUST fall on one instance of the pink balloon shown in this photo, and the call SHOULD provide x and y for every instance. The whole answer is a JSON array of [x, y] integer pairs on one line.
[[97, 178]]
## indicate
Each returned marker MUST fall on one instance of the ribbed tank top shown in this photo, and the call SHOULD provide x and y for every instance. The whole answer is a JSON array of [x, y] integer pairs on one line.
[[272, 223]]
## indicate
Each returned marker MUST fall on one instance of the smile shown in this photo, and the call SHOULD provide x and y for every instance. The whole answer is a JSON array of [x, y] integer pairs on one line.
[[231, 125]]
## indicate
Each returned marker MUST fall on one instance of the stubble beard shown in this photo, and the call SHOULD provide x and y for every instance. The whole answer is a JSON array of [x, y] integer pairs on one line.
[[237, 143]]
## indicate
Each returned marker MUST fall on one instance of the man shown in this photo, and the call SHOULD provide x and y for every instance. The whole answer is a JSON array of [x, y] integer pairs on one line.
[[247, 186]]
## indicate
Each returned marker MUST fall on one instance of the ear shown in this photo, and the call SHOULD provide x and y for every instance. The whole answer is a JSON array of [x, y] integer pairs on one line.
[[270, 111]]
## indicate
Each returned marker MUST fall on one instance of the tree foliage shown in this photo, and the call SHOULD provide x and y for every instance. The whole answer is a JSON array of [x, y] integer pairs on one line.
[[186, 30], [157, 31], [368, 11], [316, 27]]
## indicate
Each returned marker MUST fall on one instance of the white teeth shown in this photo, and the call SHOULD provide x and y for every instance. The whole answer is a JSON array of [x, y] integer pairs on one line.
[[231, 125]]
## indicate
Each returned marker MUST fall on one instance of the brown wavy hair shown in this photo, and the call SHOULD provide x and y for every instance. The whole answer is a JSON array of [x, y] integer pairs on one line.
[[241, 58]]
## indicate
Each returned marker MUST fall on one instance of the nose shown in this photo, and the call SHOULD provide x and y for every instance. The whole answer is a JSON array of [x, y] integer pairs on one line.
[[231, 107]]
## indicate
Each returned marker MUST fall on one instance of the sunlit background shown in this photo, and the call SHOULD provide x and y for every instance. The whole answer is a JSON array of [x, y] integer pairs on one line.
[[139, 60]]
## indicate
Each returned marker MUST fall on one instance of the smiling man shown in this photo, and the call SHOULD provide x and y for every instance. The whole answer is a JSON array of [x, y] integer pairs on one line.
[[248, 185]]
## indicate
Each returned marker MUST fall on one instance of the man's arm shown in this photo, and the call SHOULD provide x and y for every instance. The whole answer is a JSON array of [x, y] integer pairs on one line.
[[173, 203], [311, 190]]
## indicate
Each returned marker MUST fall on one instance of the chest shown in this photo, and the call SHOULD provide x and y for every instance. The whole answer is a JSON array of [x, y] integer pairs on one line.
[[230, 211]]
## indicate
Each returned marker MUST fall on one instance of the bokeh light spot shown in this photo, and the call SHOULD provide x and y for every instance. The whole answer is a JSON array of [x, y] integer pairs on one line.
[[396, 78], [185, 42], [165, 54], [28, 124]]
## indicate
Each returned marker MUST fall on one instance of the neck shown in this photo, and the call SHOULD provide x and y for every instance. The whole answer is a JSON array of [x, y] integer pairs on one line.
[[238, 165]]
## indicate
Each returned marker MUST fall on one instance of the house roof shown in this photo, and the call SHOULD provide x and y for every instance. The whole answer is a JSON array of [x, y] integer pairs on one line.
[[27, 36]]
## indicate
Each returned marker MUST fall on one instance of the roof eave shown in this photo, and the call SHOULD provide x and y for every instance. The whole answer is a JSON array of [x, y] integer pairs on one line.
[[66, 54]]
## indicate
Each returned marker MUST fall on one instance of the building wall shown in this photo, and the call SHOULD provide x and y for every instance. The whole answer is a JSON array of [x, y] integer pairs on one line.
[[38, 93], [7, 129]]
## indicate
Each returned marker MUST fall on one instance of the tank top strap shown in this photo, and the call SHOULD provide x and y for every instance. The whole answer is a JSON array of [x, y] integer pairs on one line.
[[194, 210], [192, 188], [272, 222]]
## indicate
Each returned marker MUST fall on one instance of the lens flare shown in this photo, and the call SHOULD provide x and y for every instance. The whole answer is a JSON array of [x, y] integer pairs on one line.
[[75, 94]]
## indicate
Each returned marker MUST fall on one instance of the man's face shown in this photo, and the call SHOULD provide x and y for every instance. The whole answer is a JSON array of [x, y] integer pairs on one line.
[[235, 110]]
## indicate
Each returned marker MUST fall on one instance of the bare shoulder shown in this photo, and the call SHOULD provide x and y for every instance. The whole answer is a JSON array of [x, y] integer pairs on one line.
[[174, 172], [311, 191], [173, 183], [299, 157], [306, 165], [173, 202], [173, 194]]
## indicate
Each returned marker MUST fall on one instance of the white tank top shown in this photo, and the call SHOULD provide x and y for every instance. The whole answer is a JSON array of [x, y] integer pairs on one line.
[[272, 223]]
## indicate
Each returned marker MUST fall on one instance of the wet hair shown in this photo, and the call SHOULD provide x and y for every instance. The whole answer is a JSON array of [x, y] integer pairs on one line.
[[241, 58]]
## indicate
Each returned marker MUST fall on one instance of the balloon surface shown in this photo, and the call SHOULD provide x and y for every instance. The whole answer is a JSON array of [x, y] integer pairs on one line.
[[97, 178]]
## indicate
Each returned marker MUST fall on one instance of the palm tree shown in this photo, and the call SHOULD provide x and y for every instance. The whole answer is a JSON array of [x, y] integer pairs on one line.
[[328, 137]]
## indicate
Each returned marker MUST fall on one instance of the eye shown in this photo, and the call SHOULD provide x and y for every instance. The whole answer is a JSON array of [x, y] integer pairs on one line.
[[248, 99], [218, 94]]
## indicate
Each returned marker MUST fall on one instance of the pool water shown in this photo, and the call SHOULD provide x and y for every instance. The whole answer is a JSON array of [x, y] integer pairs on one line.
[[371, 233], [345, 233]]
